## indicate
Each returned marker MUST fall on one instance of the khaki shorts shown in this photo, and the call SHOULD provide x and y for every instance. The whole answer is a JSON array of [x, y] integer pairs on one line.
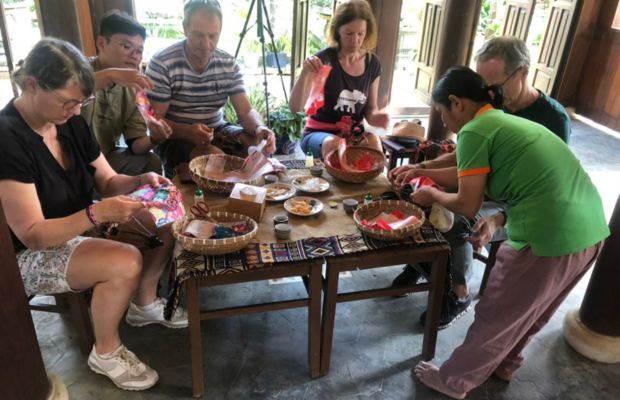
[[45, 271]]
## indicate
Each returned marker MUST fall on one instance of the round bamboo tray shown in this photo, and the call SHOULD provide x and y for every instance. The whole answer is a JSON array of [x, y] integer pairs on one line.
[[372, 210], [197, 167], [353, 154], [215, 246]]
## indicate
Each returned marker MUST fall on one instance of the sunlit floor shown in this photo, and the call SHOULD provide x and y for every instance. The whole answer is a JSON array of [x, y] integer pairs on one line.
[[376, 342]]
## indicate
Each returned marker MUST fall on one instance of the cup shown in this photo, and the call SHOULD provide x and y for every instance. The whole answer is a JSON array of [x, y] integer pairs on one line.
[[349, 205], [271, 178], [280, 219], [316, 170], [283, 231]]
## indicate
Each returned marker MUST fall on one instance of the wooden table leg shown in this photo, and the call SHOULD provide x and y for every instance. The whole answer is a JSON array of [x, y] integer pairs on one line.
[[195, 339], [314, 320], [438, 277], [329, 315]]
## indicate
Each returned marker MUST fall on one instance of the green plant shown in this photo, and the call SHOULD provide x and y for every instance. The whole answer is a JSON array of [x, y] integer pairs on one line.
[[285, 122], [281, 44], [256, 96], [315, 43]]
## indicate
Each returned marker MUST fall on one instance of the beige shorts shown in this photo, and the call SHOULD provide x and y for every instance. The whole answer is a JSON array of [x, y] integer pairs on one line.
[[45, 271]]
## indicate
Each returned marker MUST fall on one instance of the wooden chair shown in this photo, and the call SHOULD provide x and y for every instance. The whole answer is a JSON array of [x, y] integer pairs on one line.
[[76, 305], [489, 262]]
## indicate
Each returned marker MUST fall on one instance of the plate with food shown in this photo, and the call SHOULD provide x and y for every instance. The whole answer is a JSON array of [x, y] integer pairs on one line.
[[279, 191], [310, 184], [303, 206]]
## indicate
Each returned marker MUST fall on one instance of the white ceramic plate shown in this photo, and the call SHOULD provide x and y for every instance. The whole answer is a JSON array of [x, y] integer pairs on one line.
[[310, 184], [279, 191], [315, 206]]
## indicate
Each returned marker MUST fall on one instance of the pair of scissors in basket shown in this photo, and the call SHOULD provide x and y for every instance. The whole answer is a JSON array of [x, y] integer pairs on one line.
[[200, 210]]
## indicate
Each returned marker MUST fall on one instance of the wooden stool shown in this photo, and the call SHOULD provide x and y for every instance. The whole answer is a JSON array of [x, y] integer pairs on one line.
[[397, 154], [76, 305], [489, 262]]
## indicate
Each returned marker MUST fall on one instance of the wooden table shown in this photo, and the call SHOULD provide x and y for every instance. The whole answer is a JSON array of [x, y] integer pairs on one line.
[[309, 270], [336, 222], [403, 254]]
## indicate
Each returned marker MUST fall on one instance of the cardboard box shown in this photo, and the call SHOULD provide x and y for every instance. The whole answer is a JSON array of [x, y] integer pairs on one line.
[[248, 200]]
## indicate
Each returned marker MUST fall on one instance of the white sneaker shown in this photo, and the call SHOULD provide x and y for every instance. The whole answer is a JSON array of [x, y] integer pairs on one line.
[[124, 369], [154, 314]]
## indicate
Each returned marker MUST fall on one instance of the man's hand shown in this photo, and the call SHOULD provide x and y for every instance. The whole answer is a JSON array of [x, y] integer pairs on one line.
[[130, 78], [159, 130], [201, 134], [264, 133]]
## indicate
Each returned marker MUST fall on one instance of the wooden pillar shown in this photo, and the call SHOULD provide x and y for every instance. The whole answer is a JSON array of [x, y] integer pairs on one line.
[[58, 18], [387, 14], [22, 373], [594, 330], [98, 8], [457, 39]]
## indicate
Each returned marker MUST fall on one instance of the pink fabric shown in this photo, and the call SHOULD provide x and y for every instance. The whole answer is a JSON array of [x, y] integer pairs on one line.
[[522, 294]]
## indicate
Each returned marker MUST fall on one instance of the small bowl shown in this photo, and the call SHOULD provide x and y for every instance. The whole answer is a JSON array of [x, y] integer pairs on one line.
[[316, 170], [280, 219], [350, 205], [271, 178], [283, 231]]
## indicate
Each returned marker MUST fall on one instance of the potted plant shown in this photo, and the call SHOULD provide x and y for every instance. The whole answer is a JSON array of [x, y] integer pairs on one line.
[[280, 46], [288, 127]]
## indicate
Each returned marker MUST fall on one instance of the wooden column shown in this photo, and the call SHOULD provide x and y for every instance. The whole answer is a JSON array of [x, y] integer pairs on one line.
[[58, 18], [387, 14], [22, 373], [594, 330], [457, 39], [98, 8]]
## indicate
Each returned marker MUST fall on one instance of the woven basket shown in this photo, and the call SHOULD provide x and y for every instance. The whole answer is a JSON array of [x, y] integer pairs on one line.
[[372, 210], [197, 167], [353, 154], [215, 246]]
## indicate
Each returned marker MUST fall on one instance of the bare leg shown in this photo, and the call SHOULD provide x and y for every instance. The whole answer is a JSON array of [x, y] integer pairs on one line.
[[155, 262], [429, 375], [113, 269]]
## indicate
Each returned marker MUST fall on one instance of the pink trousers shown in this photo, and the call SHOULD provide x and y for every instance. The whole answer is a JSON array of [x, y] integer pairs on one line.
[[522, 293]]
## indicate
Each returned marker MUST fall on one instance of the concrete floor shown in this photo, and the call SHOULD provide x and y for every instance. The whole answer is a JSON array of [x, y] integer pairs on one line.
[[376, 342]]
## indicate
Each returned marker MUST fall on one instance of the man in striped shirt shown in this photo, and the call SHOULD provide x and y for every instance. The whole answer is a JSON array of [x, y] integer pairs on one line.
[[193, 80]]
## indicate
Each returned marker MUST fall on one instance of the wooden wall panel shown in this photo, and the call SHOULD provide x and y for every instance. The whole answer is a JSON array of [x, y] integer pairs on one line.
[[598, 88]]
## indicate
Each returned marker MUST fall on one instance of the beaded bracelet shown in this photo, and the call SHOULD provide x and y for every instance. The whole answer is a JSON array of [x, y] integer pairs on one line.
[[90, 213]]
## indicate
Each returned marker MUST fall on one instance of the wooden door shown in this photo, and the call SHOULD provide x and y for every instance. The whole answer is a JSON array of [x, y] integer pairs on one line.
[[554, 44], [429, 46], [518, 18]]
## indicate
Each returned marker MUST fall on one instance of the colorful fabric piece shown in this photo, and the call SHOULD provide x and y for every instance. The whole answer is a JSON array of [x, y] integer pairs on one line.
[[164, 202], [259, 255]]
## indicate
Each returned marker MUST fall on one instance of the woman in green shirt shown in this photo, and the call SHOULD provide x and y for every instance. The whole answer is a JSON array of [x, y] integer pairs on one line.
[[554, 221]]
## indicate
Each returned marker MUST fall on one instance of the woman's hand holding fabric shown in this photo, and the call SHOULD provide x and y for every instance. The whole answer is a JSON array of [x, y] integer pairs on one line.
[[116, 209]]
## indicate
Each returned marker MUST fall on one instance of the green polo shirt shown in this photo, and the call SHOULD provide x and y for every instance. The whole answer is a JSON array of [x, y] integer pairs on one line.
[[552, 205], [112, 114]]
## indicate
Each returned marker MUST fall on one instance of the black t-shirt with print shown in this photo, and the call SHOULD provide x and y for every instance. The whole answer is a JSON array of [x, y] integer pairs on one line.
[[346, 95], [25, 158]]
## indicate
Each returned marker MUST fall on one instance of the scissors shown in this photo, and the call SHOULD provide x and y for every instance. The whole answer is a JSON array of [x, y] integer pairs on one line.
[[200, 210]]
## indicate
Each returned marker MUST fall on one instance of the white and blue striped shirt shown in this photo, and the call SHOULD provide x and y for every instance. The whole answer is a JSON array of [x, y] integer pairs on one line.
[[193, 97]]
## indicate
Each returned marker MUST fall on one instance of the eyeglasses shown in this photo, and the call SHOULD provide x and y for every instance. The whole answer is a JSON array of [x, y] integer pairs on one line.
[[130, 48], [68, 104], [510, 76]]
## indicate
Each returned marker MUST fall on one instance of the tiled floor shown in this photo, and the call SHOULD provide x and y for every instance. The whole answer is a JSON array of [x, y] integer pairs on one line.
[[376, 342]]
